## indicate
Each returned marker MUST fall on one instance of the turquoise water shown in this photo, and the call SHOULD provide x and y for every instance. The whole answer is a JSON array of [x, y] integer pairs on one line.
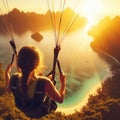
[[79, 98]]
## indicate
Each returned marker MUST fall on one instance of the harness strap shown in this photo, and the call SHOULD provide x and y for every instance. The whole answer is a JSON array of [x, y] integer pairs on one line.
[[19, 100], [39, 91], [56, 52], [12, 43]]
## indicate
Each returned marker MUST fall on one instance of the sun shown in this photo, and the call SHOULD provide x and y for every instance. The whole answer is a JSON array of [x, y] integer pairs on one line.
[[91, 10]]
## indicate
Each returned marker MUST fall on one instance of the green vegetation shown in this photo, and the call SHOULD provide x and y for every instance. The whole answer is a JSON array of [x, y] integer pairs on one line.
[[105, 105]]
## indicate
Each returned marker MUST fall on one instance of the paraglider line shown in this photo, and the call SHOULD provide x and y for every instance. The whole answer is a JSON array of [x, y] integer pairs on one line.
[[52, 16]]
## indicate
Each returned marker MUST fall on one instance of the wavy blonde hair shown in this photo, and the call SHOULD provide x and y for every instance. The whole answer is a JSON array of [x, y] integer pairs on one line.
[[29, 59]]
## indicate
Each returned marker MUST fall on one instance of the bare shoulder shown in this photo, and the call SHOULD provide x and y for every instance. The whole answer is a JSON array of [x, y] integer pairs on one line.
[[44, 78], [48, 81]]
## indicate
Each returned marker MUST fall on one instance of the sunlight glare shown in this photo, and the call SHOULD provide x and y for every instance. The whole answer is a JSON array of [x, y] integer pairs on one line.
[[91, 9]]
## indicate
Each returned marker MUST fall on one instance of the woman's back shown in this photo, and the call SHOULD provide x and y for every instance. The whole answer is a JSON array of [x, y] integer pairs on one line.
[[35, 88], [35, 104]]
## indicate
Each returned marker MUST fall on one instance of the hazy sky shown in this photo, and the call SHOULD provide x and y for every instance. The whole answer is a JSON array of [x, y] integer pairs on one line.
[[92, 9]]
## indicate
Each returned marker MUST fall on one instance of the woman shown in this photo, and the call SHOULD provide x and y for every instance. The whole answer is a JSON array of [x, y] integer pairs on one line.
[[26, 81]]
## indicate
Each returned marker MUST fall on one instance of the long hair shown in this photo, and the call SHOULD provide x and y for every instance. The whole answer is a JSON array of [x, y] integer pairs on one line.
[[28, 60]]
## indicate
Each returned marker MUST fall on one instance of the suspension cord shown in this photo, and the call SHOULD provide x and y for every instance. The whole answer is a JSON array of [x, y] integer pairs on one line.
[[6, 25], [57, 48], [62, 5], [53, 20], [70, 22], [8, 18], [68, 27], [57, 37], [56, 52]]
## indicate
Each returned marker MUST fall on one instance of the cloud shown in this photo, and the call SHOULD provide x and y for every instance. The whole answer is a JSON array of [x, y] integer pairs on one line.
[[31, 21], [106, 36]]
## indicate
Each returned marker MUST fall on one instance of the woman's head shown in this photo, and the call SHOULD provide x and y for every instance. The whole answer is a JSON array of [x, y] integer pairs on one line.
[[28, 59]]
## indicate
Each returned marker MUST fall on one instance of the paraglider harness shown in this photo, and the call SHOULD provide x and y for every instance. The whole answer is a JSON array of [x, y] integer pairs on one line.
[[40, 106]]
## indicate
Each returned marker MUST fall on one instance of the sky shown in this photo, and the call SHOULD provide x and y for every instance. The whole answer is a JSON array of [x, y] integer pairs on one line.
[[93, 10]]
